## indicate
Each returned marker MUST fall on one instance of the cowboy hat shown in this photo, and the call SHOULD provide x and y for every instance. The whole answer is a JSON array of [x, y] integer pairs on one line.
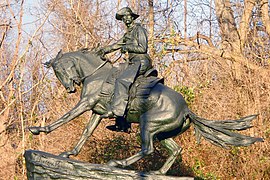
[[124, 11]]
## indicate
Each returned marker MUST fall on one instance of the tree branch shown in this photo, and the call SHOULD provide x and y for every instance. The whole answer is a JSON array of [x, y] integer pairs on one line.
[[7, 26], [211, 51], [25, 51]]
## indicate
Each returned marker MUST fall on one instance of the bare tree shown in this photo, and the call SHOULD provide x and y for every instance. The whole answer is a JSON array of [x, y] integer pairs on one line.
[[14, 84]]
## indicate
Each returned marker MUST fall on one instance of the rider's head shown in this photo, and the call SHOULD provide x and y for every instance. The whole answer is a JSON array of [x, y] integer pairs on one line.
[[126, 15]]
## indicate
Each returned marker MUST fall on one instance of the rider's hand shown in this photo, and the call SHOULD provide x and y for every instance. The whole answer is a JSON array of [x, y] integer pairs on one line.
[[101, 53], [124, 49]]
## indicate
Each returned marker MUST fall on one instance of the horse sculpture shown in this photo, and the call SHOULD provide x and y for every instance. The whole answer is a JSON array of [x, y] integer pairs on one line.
[[162, 115]]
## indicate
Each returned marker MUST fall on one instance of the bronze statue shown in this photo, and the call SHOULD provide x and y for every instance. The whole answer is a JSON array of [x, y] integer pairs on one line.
[[139, 97], [161, 112]]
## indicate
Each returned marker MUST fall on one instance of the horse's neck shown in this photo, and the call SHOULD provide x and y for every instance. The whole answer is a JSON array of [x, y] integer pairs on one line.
[[89, 63]]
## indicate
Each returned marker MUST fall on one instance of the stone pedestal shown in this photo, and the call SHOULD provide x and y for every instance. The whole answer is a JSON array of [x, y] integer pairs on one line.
[[43, 166]]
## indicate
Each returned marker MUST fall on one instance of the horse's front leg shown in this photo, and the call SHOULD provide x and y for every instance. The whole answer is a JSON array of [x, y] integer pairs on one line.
[[82, 106], [88, 131]]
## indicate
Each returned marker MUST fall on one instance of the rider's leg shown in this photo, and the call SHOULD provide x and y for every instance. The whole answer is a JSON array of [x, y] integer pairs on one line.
[[122, 85], [120, 100]]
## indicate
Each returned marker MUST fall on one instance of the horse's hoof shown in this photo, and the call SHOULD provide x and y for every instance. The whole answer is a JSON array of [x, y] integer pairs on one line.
[[112, 163], [65, 154], [34, 130]]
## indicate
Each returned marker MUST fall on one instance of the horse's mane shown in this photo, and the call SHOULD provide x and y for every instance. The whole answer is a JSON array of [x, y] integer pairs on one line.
[[86, 55], [84, 58]]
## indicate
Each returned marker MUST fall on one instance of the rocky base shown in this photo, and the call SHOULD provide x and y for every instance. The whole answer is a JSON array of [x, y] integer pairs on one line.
[[42, 165]]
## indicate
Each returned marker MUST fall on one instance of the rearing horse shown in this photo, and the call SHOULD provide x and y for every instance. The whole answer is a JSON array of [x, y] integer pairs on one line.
[[163, 115]]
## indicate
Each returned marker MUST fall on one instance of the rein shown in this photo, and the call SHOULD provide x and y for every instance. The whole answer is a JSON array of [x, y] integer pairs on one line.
[[100, 66]]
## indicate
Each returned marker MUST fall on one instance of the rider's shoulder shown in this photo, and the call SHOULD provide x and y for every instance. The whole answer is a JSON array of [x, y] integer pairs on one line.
[[138, 26]]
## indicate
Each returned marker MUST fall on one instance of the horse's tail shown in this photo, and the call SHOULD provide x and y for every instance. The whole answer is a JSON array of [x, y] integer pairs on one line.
[[220, 132]]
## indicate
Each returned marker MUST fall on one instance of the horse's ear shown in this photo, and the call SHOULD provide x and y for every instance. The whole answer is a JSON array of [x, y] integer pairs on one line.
[[48, 64], [59, 54]]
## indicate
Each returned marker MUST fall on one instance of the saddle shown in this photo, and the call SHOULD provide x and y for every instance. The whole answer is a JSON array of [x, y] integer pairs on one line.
[[143, 85], [141, 88]]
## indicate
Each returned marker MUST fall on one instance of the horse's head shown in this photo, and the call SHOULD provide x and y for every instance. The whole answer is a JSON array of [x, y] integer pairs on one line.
[[65, 70]]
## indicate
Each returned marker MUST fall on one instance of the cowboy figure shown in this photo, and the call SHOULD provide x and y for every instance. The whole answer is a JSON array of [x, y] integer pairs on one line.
[[135, 43]]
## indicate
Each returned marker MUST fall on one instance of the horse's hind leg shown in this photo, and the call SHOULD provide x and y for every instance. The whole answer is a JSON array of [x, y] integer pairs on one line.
[[147, 148], [88, 131], [174, 151]]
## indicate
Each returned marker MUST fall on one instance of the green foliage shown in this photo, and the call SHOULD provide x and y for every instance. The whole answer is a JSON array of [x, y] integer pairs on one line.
[[30, 136], [267, 133], [264, 159], [235, 151], [187, 92], [266, 173], [118, 145], [197, 169]]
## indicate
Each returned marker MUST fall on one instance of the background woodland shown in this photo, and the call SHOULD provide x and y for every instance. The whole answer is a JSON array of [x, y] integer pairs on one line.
[[216, 53]]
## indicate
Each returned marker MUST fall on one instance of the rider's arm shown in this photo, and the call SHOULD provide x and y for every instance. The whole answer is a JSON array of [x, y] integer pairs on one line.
[[141, 44], [115, 46]]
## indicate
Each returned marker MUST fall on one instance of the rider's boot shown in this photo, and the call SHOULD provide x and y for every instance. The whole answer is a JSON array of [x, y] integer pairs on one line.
[[121, 125]]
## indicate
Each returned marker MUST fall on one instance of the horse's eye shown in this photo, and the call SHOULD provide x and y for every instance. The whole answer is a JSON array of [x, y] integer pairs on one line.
[[68, 68], [56, 68]]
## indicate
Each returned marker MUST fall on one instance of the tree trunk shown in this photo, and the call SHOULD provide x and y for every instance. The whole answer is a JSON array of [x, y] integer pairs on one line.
[[245, 21], [151, 28], [185, 19], [265, 15], [231, 40]]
